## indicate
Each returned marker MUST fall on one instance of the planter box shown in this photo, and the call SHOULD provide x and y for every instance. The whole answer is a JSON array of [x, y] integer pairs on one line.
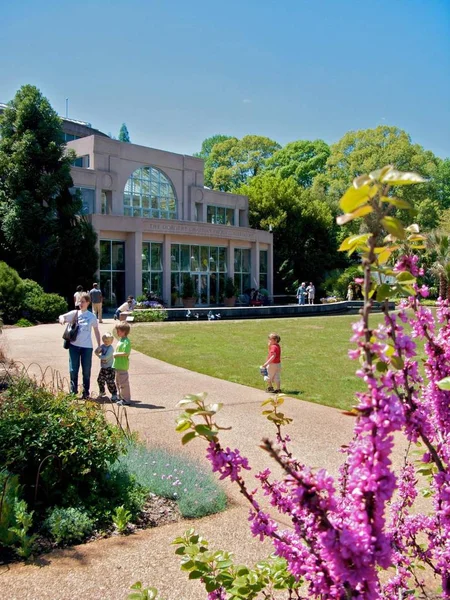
[[229, 302], [188, 302]]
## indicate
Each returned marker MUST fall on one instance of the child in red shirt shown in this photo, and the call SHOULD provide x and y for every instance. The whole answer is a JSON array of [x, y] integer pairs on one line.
[[273, 364]]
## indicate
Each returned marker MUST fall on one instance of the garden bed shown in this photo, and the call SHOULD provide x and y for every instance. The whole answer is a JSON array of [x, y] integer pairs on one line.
[[71, 477]]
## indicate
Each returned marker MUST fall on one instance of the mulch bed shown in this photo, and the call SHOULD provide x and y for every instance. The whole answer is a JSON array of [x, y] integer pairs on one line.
[[157, 511]]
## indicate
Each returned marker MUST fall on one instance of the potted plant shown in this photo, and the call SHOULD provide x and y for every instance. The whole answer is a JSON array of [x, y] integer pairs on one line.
[[188, 294], [230, 292]]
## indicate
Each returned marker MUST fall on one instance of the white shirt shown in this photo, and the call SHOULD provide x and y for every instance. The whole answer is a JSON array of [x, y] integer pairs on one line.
[[86, 321]]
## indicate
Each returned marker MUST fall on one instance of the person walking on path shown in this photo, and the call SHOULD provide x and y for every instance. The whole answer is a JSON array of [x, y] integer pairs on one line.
[[80, 350], [273, 364], [121, 363], [107, 374], [301, 294], [97, 301], [311, 290], [77, 296]]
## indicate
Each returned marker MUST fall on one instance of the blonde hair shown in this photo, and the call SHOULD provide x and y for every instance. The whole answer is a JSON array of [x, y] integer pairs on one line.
[[107, 336], [123, 326], [275, 336]]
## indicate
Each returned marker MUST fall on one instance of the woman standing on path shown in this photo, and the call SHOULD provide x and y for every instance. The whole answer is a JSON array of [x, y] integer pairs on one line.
[[80, 350]]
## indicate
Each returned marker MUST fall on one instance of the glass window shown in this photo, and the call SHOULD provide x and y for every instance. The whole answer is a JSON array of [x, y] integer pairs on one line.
[[242, 269], [219, 215], [152, 267], [156, 262], [87, 196], [175, 257], [263, 262], [151, 195], [118, 256], [185, 254], [112, 271], [206, 265]]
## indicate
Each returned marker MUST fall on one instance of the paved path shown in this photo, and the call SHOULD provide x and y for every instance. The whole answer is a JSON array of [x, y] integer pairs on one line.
[[105, 569]]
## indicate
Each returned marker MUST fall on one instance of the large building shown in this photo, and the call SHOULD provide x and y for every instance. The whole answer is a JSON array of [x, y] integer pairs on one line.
[[157, 222]]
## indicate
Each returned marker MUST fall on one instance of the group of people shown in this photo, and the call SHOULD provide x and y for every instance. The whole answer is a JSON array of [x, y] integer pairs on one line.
[[114, 364], [306, 293]]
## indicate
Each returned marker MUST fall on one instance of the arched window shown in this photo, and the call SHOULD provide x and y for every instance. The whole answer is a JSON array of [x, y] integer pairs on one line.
[[149, 193]]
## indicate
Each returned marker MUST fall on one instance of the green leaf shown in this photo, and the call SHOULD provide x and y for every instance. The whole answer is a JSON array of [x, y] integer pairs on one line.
[[383, 292], [361, 181], [397, 362], [394, 227], [188, 437], [354, 241], [355, 197], [183, 425], [205, 431], [444, 384], [398, 202], [362, 211], [195, 575], [406, 277], [379, 173], [382, 367], [394, 177]]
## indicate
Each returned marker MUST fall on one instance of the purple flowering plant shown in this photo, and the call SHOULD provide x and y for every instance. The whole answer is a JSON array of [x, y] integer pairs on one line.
[[362, 536]]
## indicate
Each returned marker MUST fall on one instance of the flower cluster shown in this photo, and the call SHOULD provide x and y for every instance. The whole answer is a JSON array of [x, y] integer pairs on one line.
[[339, 538], [227, 462]]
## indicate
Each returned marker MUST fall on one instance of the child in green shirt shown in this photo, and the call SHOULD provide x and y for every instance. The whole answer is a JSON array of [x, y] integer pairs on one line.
[[121, 363]]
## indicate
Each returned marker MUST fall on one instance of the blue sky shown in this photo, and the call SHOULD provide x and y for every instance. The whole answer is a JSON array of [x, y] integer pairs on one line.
[[177, 71]]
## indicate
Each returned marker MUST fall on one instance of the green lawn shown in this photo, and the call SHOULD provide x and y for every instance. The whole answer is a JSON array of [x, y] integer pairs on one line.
[[314, 353]]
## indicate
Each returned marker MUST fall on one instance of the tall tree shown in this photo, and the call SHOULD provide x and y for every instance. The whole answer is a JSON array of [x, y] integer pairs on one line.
[[124, 136], [302, 160], [38, 213], [364, 151], [209, 143], [303, 228], [233, 162]]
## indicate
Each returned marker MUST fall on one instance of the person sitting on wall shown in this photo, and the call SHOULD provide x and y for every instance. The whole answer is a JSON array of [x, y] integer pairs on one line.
[[127, 306]]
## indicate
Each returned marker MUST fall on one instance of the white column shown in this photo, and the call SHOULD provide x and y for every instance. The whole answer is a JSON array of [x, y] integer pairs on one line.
[[167, 269], [255, 264], [270, 267], [133, 264], [230, 264]]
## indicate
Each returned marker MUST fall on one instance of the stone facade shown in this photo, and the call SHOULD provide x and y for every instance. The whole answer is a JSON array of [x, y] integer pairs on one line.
[[153, 249]]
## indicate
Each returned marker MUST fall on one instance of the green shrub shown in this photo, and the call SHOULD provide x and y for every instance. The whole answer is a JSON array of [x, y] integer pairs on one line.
[[9, 495], [11, 293], [337, 283], [121, 518], [117, 487], [184, 480], [67, 525], [54, 440], [15, 520], [148, 315], [24, 323], [39, 306]]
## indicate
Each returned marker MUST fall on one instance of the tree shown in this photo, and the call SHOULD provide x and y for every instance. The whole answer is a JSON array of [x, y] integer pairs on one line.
[[124, 136], [302, 160], [428, 214], [39, 215], [209, 143], [369, 149], [439, 248], [303, 228], [233, 162]]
